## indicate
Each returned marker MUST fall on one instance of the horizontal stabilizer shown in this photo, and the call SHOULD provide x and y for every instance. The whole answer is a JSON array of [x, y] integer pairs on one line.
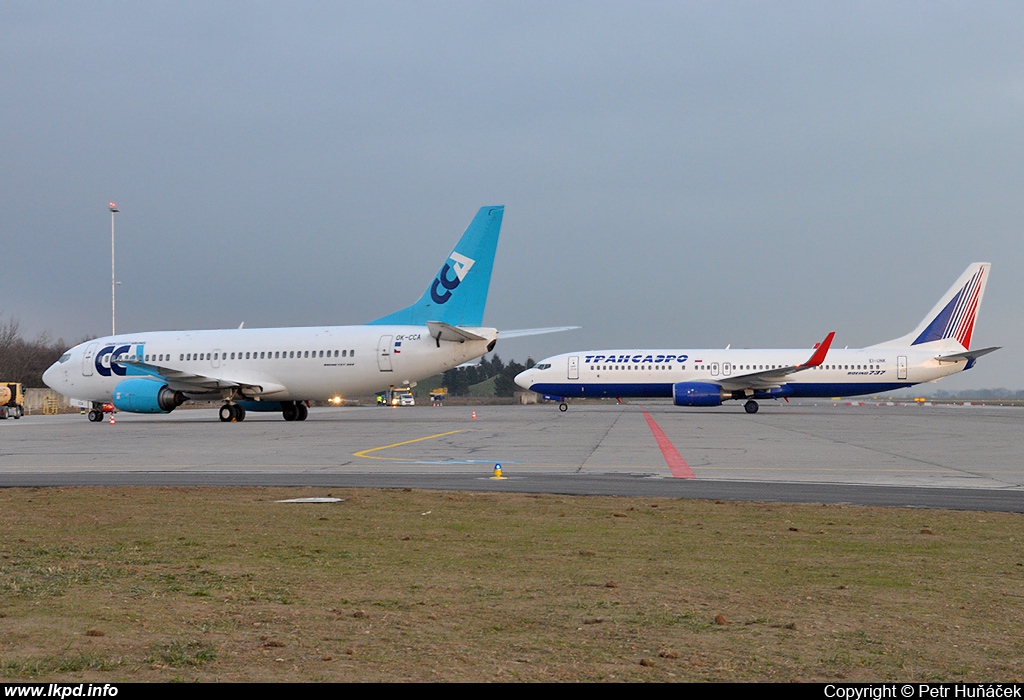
[[442, 331], [968, 355], [523, 332]]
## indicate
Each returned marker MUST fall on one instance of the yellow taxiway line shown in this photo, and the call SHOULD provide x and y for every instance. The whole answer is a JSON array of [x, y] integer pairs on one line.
[[366, 453]]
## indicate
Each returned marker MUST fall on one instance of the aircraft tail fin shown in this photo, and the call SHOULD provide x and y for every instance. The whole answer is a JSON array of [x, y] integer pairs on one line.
[[458, 293], [951, 321]]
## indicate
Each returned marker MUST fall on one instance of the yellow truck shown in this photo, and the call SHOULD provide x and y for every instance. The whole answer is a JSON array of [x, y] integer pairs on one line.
[[12, 400]]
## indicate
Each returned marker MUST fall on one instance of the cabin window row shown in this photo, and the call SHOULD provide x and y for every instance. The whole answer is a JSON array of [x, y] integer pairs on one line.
[[849, 367], [601, 368], [252, 355]]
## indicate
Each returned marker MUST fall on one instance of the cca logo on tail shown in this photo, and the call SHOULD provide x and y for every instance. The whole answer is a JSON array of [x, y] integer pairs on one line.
[[462, 265]]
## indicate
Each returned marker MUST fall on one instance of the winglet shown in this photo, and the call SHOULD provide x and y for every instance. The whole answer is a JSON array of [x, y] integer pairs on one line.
[[819, 354]]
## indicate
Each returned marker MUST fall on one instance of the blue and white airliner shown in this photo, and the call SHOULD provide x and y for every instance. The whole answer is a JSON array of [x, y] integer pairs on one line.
[[939, 346], [282, 369]]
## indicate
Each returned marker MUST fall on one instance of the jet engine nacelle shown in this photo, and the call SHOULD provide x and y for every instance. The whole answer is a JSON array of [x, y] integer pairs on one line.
[[696, 394], [141, 395]]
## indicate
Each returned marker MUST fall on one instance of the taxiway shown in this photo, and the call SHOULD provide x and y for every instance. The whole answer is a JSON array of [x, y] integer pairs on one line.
[[930, 456]]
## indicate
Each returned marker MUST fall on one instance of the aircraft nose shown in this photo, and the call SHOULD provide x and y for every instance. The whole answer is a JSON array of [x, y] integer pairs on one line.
[[525, 379], [51, 375]]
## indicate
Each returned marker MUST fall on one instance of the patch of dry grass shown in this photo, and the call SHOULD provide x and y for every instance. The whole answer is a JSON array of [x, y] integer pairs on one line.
[[138, 584]]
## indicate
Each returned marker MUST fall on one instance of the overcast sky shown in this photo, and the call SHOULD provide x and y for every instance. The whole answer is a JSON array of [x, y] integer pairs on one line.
[[680, 175]]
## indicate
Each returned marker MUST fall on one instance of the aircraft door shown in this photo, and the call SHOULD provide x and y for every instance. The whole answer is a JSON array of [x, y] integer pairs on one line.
[[574, 367], [384, 353], [216, 359], [714, 369], [901, 367], [88, 360], [726, 369]]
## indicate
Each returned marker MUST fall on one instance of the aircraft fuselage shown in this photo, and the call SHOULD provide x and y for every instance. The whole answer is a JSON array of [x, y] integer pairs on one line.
[[313, 363], [653, 373]]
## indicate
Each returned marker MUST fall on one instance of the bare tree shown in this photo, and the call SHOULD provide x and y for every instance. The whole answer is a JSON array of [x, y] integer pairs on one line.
[[24, 360], [9, 333]]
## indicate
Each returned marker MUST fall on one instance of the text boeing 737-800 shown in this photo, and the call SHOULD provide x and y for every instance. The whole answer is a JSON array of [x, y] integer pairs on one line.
[[282, 369], [939, 346]]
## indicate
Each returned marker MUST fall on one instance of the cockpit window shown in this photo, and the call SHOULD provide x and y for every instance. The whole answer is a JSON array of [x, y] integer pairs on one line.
[[64, 358], [545, 365]]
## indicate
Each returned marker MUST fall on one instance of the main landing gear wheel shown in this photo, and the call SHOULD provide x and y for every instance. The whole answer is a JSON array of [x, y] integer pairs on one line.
[[750, 406], [95, 416], [563, 407], [295, 410], [232, 413]]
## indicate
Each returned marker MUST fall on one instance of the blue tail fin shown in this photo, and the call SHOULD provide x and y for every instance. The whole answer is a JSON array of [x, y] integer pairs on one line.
[[458, 293]]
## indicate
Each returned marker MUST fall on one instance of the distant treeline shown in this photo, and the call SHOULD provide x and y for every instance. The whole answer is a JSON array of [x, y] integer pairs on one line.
[[459, 380], [976, 394], [23, 360]]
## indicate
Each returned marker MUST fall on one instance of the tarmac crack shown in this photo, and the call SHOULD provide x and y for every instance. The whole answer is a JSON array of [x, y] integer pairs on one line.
[[891, 453], [599, 442]]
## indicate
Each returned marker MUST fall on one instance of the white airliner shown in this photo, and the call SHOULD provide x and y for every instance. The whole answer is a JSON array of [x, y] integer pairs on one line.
[[282, 369], [939, 346]]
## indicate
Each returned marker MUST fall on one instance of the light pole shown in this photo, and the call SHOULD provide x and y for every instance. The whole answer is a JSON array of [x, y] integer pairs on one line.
[[113, 280]]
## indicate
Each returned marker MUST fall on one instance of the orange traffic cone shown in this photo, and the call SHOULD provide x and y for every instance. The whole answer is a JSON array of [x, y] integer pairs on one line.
[[474, 415], [111, 417]]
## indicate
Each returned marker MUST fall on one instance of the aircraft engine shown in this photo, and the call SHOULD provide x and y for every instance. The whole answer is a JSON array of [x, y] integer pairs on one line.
[[141, 395], [696, 394]]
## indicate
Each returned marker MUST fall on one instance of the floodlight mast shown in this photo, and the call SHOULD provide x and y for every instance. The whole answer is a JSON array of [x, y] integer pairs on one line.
[[113, 279]]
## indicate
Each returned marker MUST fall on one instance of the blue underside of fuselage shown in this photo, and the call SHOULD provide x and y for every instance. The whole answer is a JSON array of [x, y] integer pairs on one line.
[[597, 391]]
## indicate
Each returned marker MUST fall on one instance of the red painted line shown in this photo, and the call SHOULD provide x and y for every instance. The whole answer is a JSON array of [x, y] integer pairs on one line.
[[676, 464]]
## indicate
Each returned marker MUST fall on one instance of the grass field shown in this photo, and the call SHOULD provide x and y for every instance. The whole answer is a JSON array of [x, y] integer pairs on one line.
[[156, 584]]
